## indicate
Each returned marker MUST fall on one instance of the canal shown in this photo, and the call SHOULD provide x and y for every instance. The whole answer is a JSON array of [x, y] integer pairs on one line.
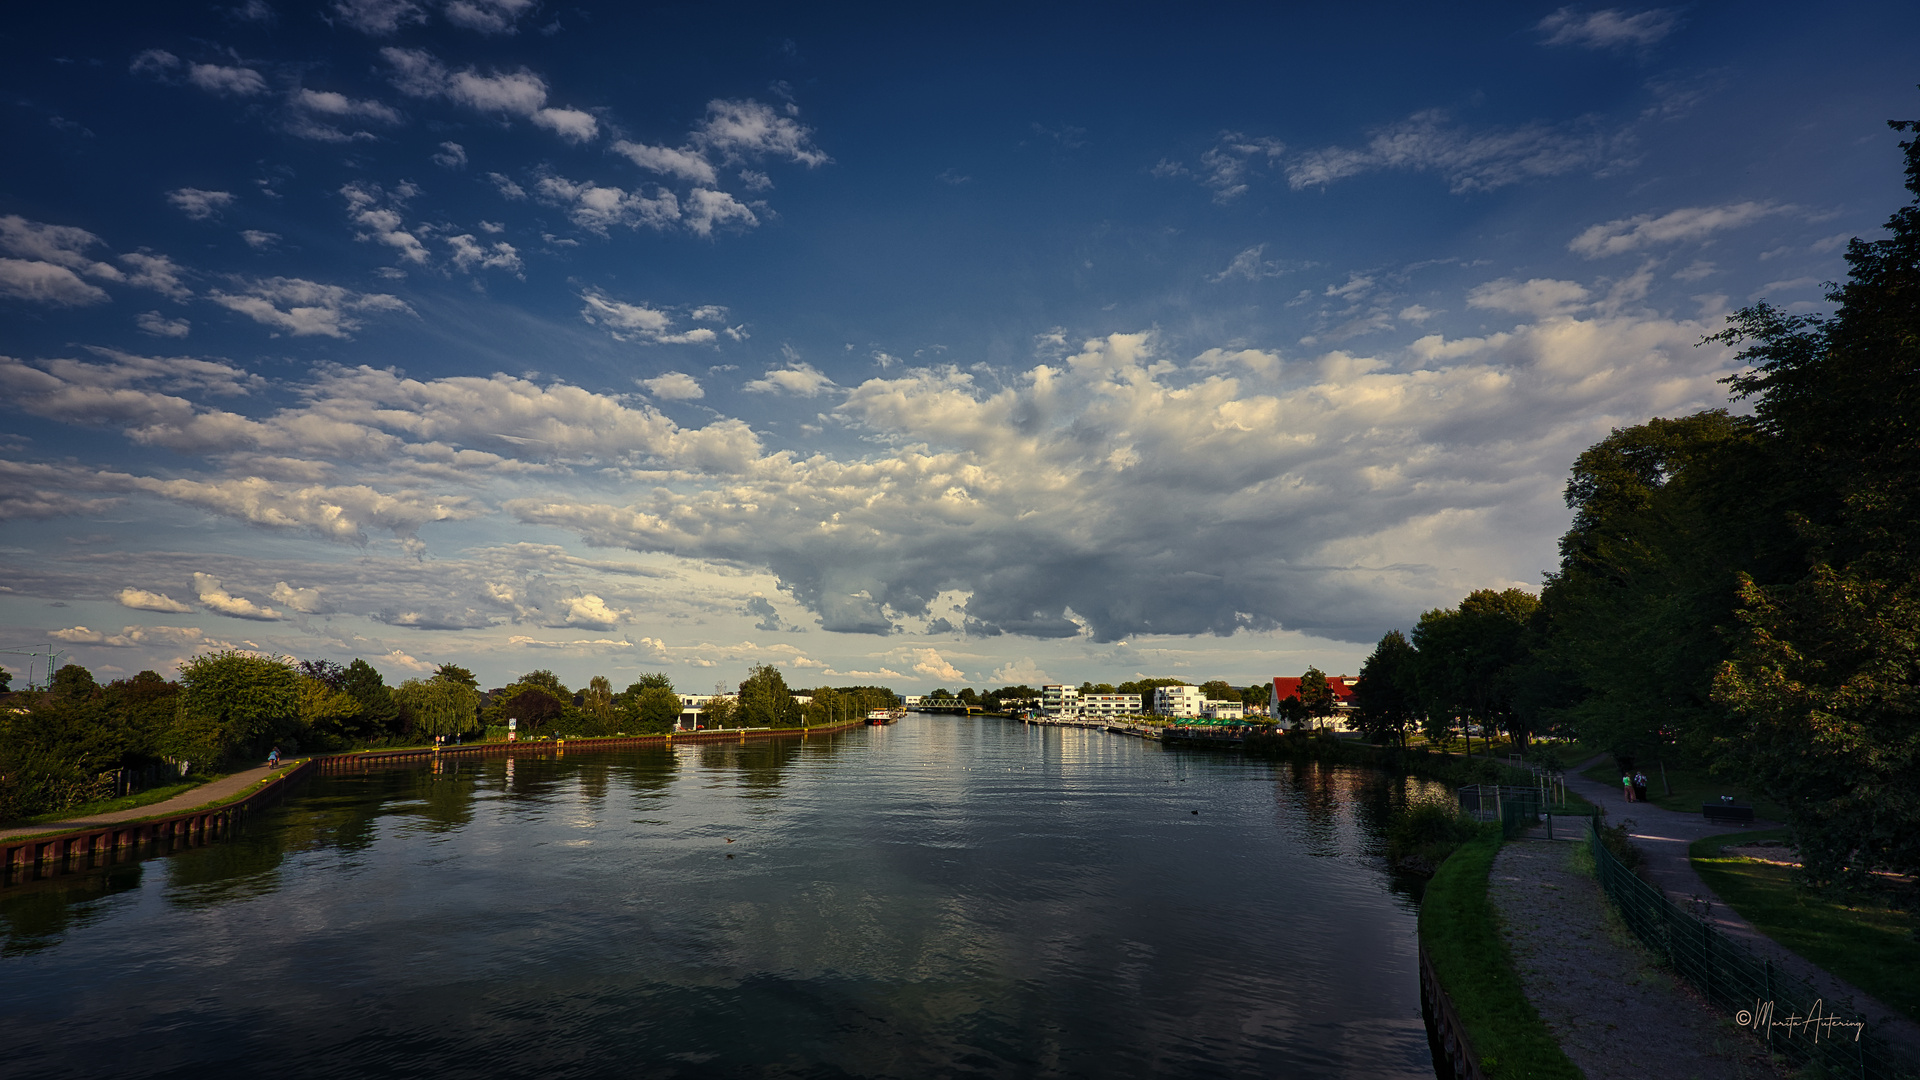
[[943, 897]]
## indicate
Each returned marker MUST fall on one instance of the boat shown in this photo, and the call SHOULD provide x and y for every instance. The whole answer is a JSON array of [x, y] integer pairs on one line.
[[884, 716]]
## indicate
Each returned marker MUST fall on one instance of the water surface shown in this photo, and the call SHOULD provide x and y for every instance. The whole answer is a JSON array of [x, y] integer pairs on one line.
[[945, 897]]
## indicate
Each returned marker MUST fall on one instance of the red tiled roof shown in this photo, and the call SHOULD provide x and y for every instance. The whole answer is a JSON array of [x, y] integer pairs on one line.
[[1341, 686]]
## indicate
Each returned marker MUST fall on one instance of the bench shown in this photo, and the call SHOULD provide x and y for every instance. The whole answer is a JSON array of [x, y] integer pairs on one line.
[[1721, 812]]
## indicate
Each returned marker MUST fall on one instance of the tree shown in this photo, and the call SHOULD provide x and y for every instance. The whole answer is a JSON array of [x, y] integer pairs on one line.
[[1469, 658], [598, 699], [73, 681], [6, 680], [440, 705], [1292, 712], [326, 671], [531, 704], [548, 681], [966, 696], [379, 714], [765, 700], [456, 673], [1822, 694], [1386, 701], [1316, 695], [657, 709], [721, 712], [232, 702], [328, 713], [1219, 690]]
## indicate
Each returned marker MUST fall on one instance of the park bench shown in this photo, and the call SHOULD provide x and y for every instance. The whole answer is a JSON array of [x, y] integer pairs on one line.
[[1721, 812]]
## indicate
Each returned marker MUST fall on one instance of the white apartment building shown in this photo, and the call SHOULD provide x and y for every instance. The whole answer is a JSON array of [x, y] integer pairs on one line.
[[1057, 699], [1178, 700], [913, 701], [1109, 704], [1224, 710]]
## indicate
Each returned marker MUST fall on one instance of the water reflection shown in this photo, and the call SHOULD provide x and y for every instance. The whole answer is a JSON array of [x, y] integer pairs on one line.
[[943, 897]]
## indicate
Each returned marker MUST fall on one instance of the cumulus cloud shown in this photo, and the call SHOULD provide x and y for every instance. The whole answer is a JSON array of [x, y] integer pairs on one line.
[[379, 18], [748, 130], [467, 253], [1470, 160], [597, 208], [214, 597], [638, 323], [797, 378], [417, 73], [200, 204], [157, 272], [305, 308], [1021, 672], [142, 600], [488, 16], [1250, 265], [319, 114], [1625, 235], [377, 214], [152, 322], [1608, 29], [52, 258], [687, 164], [45, 283], [226, 81], [674, 386], [1032, 500], [339, 513], [304, 601], [451, 156], [259, 240], [131, 637]]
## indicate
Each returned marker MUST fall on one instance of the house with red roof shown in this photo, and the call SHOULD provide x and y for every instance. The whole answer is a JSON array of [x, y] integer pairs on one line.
[[1341, 685]]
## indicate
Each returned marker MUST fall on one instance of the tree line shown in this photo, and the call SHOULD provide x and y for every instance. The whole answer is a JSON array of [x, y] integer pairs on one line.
[[79, 741], [1739, 591]]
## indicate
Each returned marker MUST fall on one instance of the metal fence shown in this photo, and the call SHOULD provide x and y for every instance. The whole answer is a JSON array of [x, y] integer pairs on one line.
[[1784, 1012]]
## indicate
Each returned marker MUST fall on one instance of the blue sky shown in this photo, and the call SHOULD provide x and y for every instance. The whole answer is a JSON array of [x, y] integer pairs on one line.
[[1004, 344]]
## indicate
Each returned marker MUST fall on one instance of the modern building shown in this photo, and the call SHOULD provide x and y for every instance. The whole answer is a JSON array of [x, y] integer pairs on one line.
[[1178, 700], [1057, 699], [1223, 710], [1109, 704]]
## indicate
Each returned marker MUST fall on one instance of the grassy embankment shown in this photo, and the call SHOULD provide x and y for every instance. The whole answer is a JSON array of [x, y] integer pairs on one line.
[[109, 806], [1691, 788], [1860, 937], [1461, 931]]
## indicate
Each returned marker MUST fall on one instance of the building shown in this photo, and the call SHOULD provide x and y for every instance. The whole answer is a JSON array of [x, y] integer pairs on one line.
[[913, 701], [1342, 687], [1178, 700], [1223, 710], [1109, 704], [1057, 699]]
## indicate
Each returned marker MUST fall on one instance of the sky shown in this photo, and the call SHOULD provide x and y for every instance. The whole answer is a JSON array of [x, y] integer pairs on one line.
[[976, 346]]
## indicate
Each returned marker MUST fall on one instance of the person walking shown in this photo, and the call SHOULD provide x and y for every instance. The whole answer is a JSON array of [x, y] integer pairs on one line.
[[273, 758], [1639, 787], [1626, 785]]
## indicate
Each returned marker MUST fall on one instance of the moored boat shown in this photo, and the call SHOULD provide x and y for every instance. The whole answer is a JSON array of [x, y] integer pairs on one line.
[[883, 716]]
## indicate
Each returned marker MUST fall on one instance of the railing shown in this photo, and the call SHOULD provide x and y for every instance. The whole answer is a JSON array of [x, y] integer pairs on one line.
[[1784, 1012]]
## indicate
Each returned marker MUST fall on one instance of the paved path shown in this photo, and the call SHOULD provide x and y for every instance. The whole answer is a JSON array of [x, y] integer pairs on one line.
[[212, 791], [1664, 836], [1615, 1012]]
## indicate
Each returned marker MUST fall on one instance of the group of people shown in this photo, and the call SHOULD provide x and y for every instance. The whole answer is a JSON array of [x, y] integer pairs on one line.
[[1635, 785]]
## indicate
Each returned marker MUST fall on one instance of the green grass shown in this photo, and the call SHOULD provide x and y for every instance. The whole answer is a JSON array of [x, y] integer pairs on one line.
[[124, 802], [1462, 935], [1859, 938], [1691, 788]]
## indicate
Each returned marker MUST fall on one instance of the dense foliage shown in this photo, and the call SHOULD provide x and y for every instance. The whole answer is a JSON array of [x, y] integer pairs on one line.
[[1737, 592]]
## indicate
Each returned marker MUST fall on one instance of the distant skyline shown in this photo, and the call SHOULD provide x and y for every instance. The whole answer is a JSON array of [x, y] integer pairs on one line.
[[952, 349]]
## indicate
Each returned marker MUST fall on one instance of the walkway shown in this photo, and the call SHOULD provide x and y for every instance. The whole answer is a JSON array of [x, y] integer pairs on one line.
[[1600, 992], [1663, 837], [212, 791]]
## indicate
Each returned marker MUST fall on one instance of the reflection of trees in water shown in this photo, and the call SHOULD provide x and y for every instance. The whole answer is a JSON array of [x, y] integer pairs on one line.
[[36, 915], [594, 778], [761, 764], [1370, 800], [244, 866], [648, 773]]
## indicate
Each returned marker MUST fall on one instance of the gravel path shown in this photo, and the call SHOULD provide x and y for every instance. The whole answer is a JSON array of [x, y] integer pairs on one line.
[[187, 800], [1616, 1014], [1664, 838]]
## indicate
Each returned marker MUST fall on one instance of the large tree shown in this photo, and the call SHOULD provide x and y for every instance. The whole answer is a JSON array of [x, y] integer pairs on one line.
[[440, 705], [765, 700], [1470, 656], [1386, 700], [1823, 692], [232, 702]]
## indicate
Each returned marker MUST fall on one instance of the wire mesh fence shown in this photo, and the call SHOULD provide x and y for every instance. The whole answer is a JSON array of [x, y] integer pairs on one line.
[[1784, 1012]]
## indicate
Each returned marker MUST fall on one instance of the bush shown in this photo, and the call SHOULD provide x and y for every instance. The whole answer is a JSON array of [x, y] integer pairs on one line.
[[1422, 835], [1616, 842]]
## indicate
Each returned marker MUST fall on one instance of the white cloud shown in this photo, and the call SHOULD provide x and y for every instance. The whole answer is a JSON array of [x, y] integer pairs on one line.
[[597, 209], [152, 322], [258, 240], [589, 612], [378, 216], [469, 253], [797, 378], [1611, 28], [746, 129], [198, 204], [58, 245], [488, 16], [685, 164], [45, 283], [1539, 297], [506, 187], [156, 272], [142, 600], [154, 63], [342, 514], [1482, 160], [674, 386], [1020, 672], [218, 79], [521, 93], [1227, 166], [304, 601], [705, 210], [1416, 314], [329, 103], [637, 322], [305, 308], [137, 636], [1249, 265], [379, 18], [1688, 223], [217, 599], [451, 156]]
